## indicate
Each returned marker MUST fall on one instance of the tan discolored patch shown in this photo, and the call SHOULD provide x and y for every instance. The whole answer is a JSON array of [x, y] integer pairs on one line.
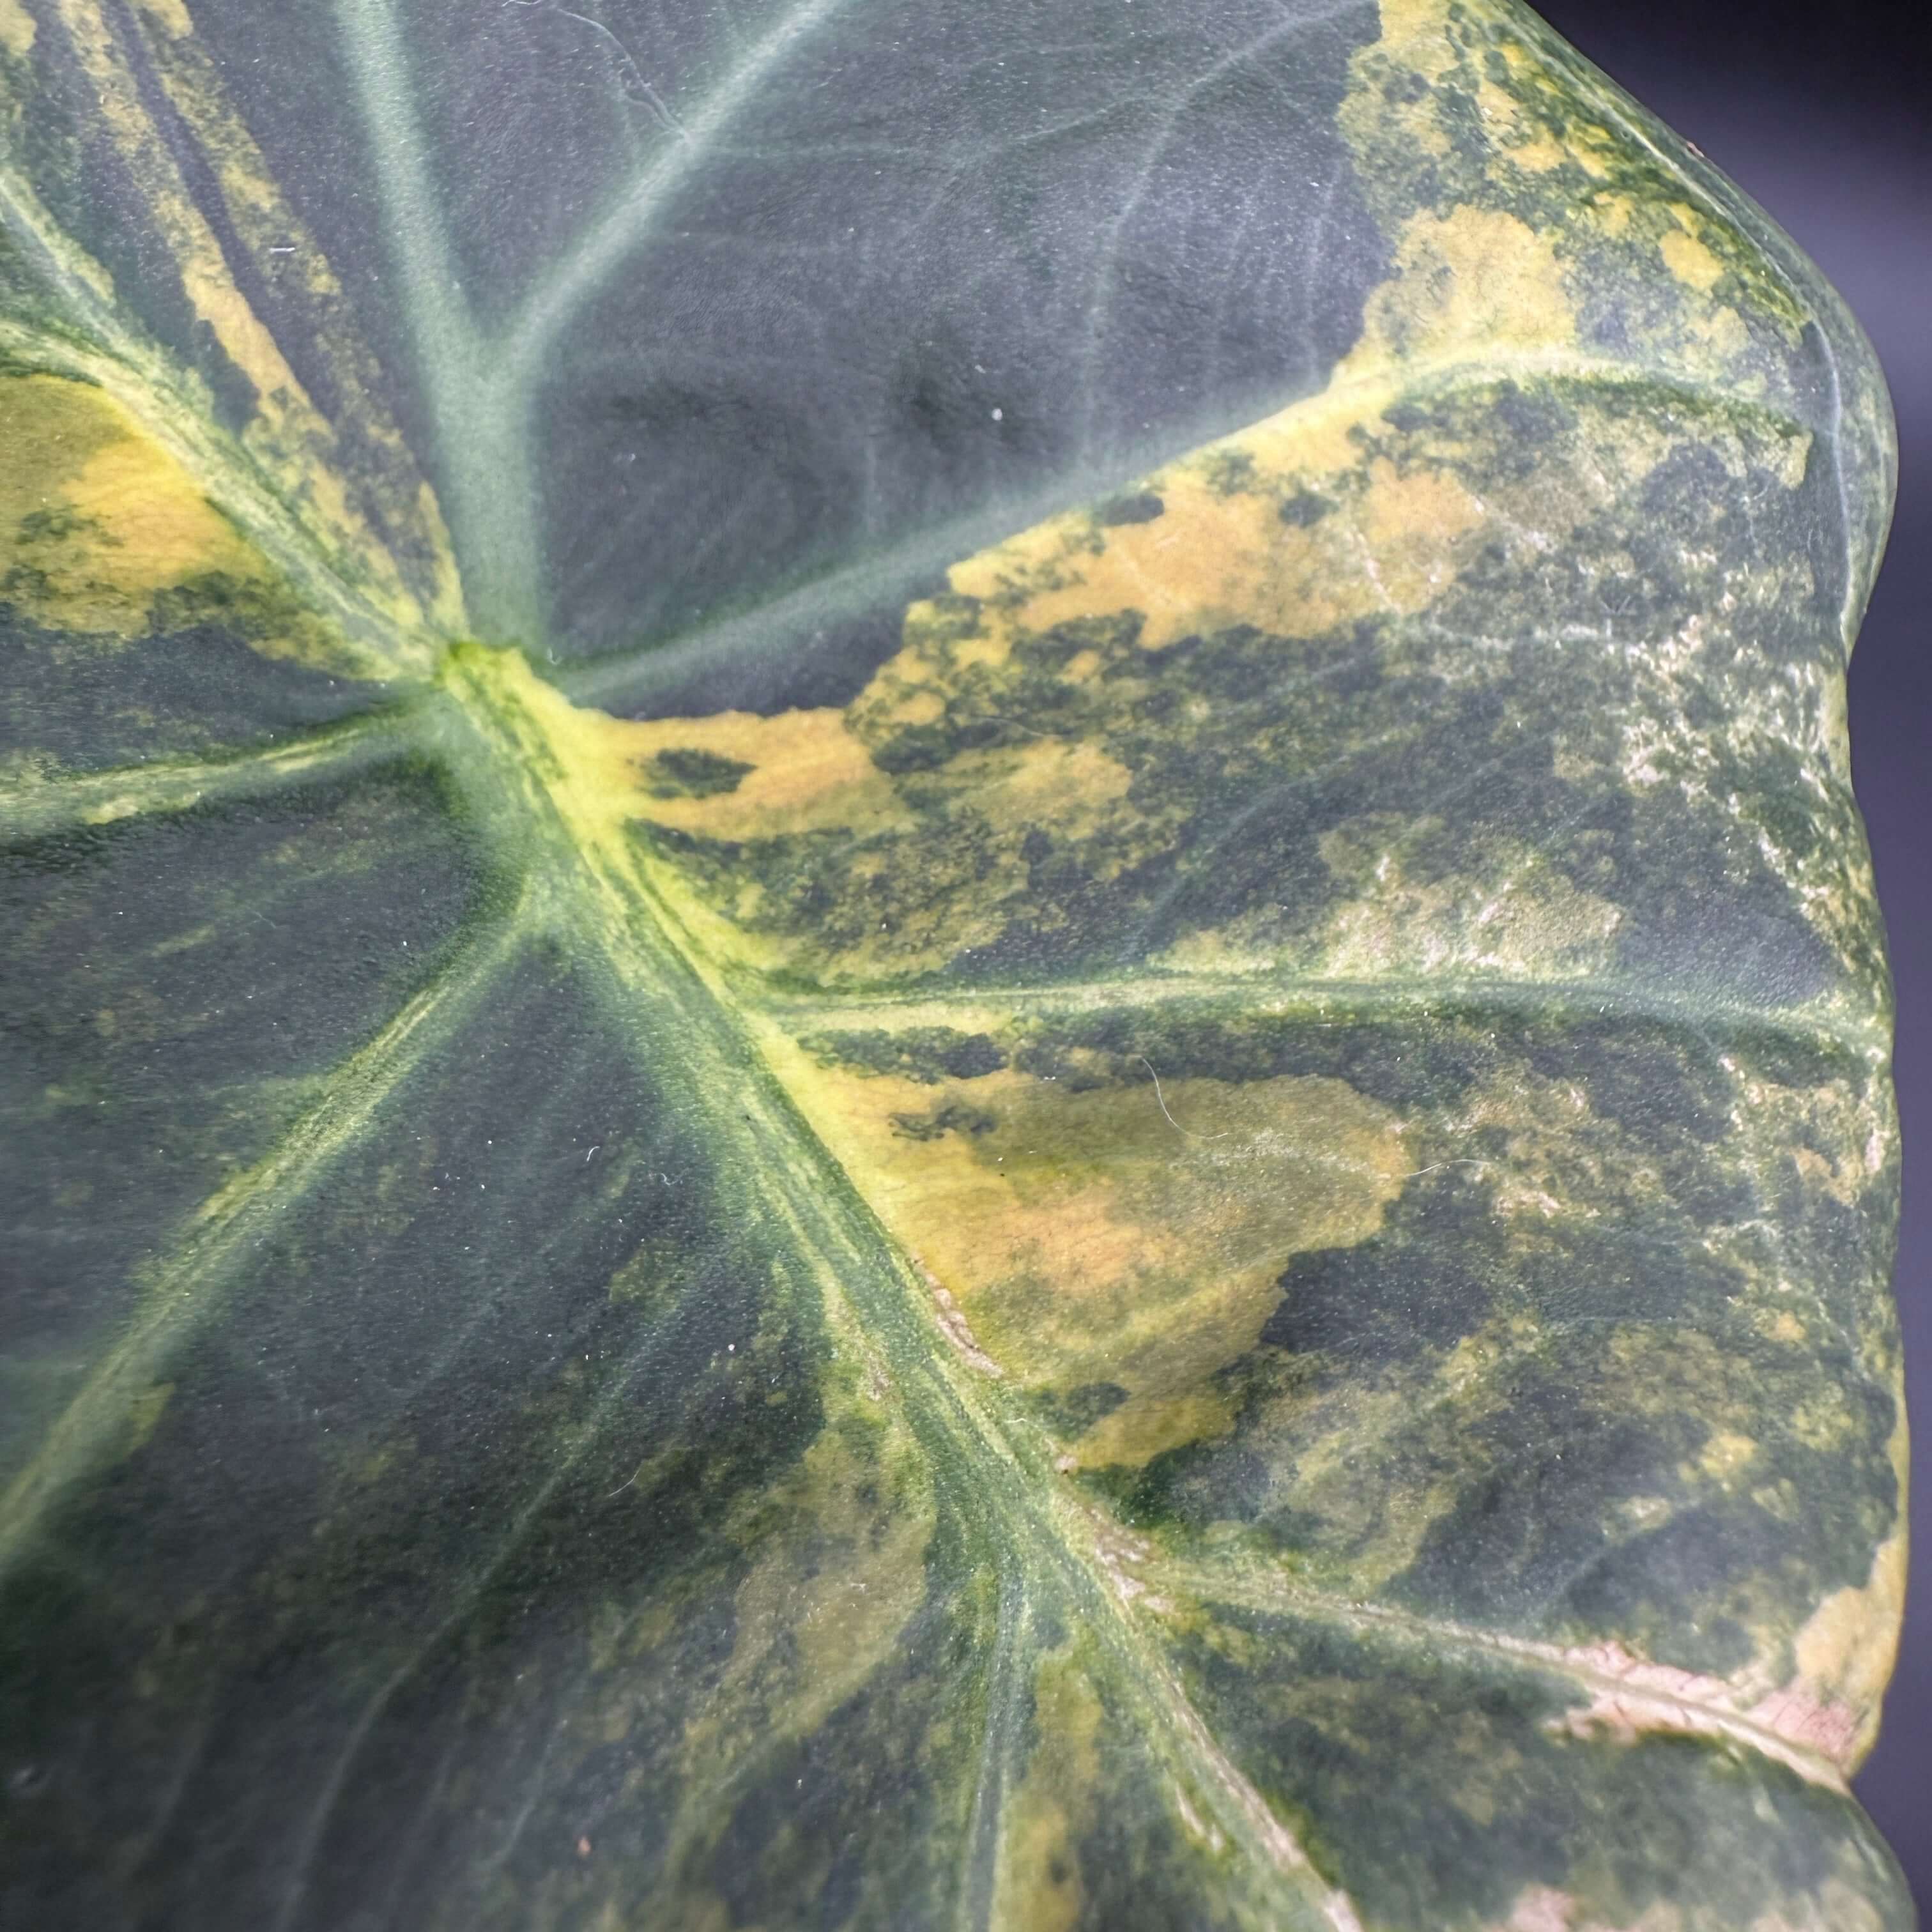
[[51, 428], [1324, 525], [1414, 39], [1129, 1236], [1394, 117], [160, 528], [1632, 1697], [1540, 154]]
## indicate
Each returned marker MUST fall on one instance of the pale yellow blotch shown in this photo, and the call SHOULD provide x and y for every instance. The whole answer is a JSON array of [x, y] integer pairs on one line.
[[923, 706], [1415, 35], [444, 609], [1592, 147], [1534, 152], [599, 772], [835, 1572], [1417, 30], [1826, 1420], [1066, 787], [1138, 1430], [1409, 525], [17, 29], [1510, 913], [1725, 1453], [48, 428], [1845, 1653], [869, 1582], [366, 1466], [1690, 261], [1722, 331], [1477, 282], [1216, 558], [1540, 154], [838, 1569], [96, 518], [1544, 1908], [809, 773], [1241, 947], [1845, 1650], [1053, 1806], [1121, 1235], [1500, 112], [1377, 119], [1613, 213], [160, 526]]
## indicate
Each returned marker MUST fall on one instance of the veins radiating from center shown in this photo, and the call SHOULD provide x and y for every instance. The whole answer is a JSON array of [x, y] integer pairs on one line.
[[483, 386]]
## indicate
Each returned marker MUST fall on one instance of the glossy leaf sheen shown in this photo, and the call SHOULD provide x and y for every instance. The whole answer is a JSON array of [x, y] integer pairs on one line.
[[938, 989]]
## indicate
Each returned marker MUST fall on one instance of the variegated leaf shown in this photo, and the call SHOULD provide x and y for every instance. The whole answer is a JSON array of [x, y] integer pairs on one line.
[[939, 988]]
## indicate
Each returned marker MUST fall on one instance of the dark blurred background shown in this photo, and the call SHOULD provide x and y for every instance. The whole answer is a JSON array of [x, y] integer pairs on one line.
[[1823, 113]]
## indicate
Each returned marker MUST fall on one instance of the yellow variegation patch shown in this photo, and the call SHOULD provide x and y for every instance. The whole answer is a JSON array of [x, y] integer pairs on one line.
[[97, 520]]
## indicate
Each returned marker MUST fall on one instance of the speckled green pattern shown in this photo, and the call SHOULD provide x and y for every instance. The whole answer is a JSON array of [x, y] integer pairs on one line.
[[939, 991]]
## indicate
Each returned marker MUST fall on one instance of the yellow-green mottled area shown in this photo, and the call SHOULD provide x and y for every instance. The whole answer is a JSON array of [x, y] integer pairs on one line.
[[97, 520], [17, 28], [1214, 1254]]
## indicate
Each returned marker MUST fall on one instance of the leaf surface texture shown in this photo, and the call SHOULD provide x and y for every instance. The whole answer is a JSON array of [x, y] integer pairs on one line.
[[939, 987]]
